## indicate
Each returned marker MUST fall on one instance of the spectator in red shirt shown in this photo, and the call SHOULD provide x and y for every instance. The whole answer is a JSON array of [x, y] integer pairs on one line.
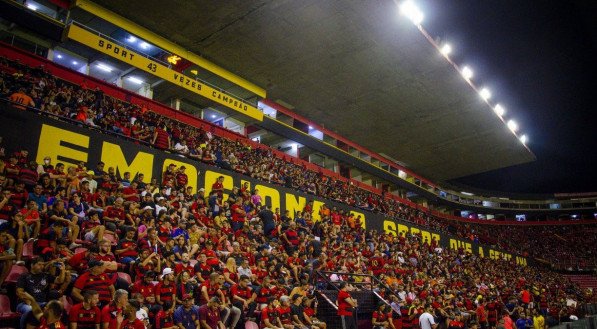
[[346, 305], [126, 250], [382, 319], [130, 319], [164, 319], [113, 313], [218, 186], [209, 314], [86, 315], [243, 296], [181, 178], [94, 279], [114, 215], [144, 285], [49, 317]]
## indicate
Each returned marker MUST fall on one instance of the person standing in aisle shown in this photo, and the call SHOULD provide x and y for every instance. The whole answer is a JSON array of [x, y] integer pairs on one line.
[[346, 307]]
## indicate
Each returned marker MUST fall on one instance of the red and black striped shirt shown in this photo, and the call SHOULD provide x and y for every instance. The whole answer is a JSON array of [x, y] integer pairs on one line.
[[100, 283], [165, 291], [84, 318]]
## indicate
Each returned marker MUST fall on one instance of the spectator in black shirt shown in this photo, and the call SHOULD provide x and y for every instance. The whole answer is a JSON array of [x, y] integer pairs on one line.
[[40, 284]]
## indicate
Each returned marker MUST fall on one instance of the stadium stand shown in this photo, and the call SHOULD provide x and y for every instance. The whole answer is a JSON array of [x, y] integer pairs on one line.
[[166, 245]]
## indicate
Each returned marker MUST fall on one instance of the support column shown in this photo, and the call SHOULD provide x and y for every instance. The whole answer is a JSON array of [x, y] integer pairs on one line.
[[50, 56], [175, 103]]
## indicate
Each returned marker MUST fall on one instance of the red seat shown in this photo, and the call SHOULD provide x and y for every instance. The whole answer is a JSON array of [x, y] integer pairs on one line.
[[125, 276], [15, 273], [5, 313], [251, 325]]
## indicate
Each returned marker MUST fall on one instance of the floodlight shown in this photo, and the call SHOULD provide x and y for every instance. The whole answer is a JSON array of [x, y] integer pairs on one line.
[[466, 72], [485, 93], [446, 49], [499, 110], [412, 12], [524, 139]]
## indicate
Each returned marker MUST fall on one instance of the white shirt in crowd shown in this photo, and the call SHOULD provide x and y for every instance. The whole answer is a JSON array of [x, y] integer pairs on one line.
[[426, 321]]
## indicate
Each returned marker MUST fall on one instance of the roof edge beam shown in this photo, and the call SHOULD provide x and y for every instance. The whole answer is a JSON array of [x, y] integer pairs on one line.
[[163, 43]]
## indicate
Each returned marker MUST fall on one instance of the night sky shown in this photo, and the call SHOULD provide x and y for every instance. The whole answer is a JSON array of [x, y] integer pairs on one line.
[[539, 58]]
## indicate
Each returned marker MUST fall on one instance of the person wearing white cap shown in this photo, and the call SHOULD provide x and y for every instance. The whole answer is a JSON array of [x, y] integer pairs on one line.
[[161, 205], [165, 290]]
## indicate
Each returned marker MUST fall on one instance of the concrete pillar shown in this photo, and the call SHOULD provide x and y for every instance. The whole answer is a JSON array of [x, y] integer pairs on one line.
[[119, 81], [175, 104], [50, 56]]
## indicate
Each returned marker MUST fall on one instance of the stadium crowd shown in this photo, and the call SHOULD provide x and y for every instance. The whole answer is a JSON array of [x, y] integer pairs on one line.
[[125, 252], [559, 246]]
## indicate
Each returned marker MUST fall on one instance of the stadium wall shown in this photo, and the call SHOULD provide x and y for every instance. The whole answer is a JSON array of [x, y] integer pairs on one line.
[[70, 143]]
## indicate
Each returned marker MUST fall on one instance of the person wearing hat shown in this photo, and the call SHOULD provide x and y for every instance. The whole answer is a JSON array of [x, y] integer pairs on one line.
[[94, 279], [165, 290], [187, 315], [161, 205], [92, 182]]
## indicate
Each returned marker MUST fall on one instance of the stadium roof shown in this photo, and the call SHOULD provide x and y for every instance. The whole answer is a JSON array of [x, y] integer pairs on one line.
[[357, 68]]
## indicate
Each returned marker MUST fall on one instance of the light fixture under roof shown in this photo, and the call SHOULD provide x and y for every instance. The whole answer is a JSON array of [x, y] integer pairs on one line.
[[75, 63], [104, 67], [131, 39], [446, 49], [512, 125], [32, 6], [524, 139], [485, 93], [466, 72], [412, 12], [144, 45], [499, 110], [59, 56], [135, 80]]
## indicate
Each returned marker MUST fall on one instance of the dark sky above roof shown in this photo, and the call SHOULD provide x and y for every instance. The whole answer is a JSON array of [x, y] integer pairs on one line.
[[540, 60]]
